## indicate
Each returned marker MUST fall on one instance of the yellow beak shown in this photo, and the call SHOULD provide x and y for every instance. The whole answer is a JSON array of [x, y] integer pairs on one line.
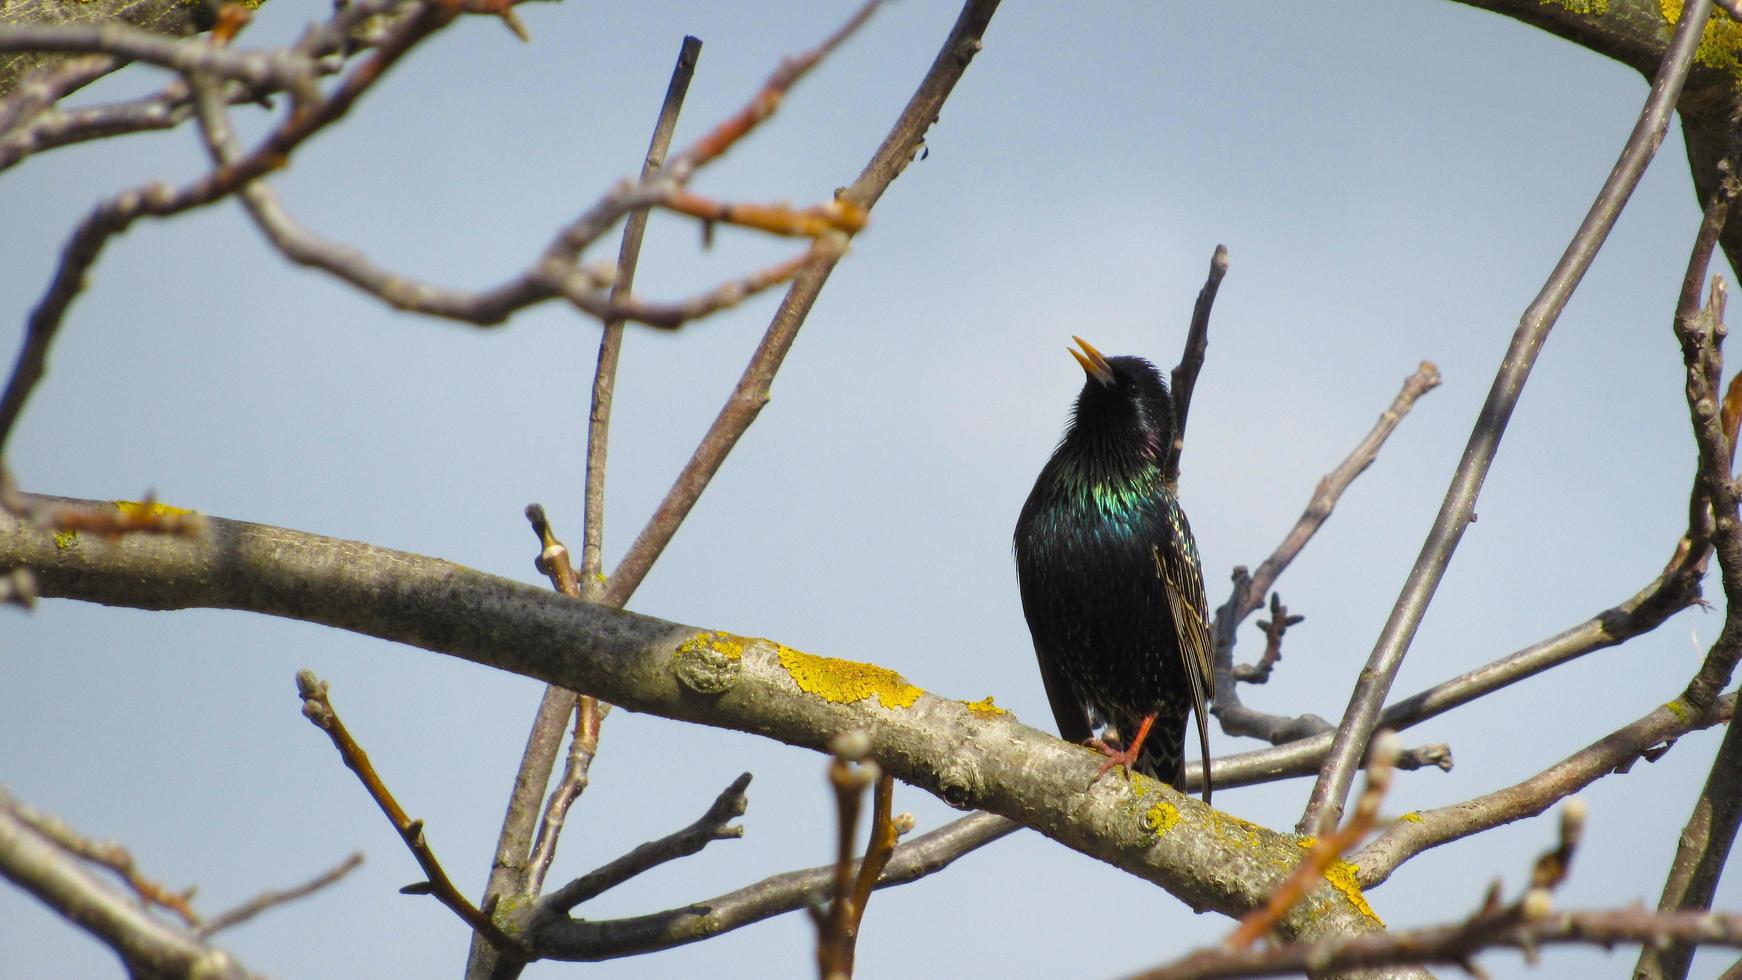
[[1094, 363]]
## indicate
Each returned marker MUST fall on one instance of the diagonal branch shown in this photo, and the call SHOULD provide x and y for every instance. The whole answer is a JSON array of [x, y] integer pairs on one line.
[[752, 390], [715, 824], [1459, 507], [1613, 753], [1249, 592], [148, 947]]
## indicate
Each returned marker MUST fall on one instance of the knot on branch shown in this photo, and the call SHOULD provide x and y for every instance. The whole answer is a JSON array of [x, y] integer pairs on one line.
[[709, 662]]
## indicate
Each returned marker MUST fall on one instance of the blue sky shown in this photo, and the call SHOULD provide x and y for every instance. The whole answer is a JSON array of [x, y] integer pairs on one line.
[[1393, 182]]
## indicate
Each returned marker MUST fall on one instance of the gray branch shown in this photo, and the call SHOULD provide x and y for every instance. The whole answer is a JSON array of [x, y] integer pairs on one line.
[[650, 665]]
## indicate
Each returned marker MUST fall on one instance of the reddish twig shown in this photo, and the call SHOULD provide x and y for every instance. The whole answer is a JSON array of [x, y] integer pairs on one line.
[[106, 854], [318, 708], [751, 392], [1325, 850]]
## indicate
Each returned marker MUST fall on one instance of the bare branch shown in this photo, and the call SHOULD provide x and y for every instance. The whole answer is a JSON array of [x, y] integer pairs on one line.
[[1526, 924], [583, 940], [148, 946], [105, 854], [1249, 591], [752, 389], [1459, 507], [158, 199], [1185, 375], [268, 900], [611, 339], [1702, 850], [45, 87], [1613, 753], [318, 708], [715, 824], [276, 70], [965, 754], [1704, 844]]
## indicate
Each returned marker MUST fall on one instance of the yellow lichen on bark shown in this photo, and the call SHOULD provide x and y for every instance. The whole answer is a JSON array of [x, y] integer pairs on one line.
[[729, 645], [846, 681], [1720, 45], [984, 708], [135, 508], [1341, 876], [1161, 817]]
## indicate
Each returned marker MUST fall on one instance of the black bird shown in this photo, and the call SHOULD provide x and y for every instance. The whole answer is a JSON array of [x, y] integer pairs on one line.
[[1111, 584]]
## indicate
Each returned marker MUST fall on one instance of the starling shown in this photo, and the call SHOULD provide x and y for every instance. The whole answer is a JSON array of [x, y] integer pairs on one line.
[[1111, 584]]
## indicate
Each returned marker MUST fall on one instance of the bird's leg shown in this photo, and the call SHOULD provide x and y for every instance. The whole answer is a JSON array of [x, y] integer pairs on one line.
[[1122, 758]]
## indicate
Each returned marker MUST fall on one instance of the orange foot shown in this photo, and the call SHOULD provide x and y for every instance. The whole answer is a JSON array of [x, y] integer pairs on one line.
[[1122, 759]]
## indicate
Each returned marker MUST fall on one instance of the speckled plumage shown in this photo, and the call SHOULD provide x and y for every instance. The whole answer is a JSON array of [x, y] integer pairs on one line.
[[1111, 583]]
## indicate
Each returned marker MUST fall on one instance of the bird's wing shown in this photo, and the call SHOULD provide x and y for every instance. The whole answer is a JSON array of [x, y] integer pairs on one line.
[[1067, 708], [1184, 584]]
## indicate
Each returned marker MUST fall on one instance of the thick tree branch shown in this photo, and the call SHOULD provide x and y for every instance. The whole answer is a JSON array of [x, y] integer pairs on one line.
[[1459, 507], [950, 748]]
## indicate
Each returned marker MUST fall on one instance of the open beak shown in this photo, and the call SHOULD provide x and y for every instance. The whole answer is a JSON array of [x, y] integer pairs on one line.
[[1094, 364]]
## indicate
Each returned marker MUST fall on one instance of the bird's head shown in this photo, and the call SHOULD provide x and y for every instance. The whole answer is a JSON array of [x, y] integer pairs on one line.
[[1124, 401]]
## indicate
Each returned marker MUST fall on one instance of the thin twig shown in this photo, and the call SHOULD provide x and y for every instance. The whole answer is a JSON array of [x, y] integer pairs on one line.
[[1459, 507], [553, 561], [611, 339], [1613, 753], [46, 86], [268, 900], [850, 772], [318, 708], [106, 854], [1701, 333], [158, 199], [1185, 375], [563, 938], [1249, 590], [715, 824], [1703, 847], [1274, 629], [145, 944], [752, 390]]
